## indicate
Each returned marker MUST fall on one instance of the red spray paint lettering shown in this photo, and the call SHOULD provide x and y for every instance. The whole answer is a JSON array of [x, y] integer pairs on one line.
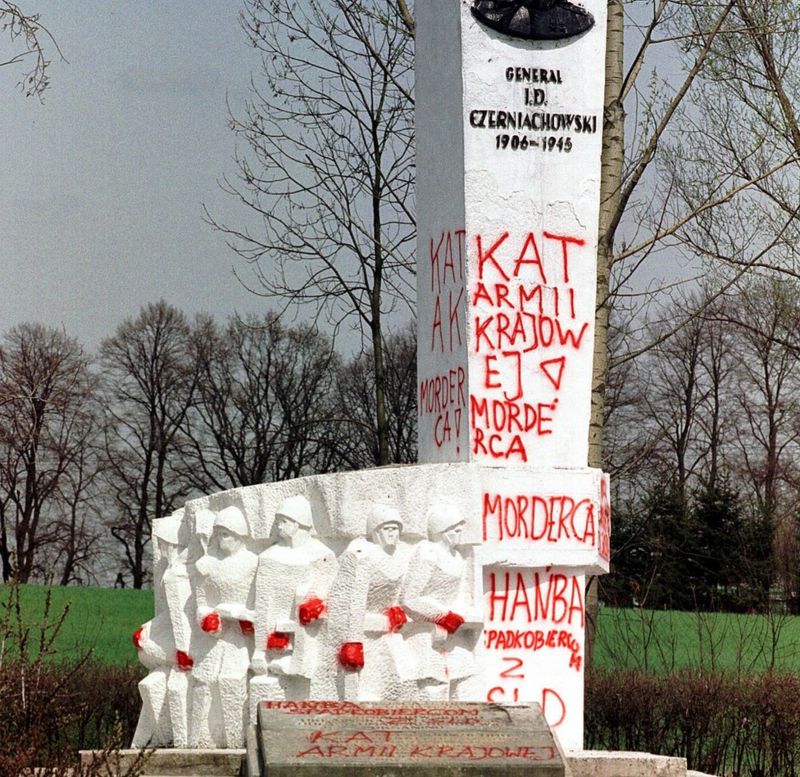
[[535, 595], [550, 519]]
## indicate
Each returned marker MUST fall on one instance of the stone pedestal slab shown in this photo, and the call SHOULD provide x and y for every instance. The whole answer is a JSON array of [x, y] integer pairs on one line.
[[340, 738], [601, 763]]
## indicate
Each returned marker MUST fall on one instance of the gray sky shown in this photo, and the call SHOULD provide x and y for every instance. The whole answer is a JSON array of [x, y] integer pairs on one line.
[[103, 183]]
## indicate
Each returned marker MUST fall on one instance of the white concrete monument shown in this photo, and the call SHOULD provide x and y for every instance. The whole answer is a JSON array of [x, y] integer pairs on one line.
[[163, 642], [509, 100], [462, 577]]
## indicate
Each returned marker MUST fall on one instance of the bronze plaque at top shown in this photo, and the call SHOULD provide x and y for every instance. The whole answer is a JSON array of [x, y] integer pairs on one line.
[[392, 738], [533, 19]]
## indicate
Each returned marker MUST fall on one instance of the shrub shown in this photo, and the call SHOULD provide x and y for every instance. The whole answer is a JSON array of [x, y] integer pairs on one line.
[[721, 723], [50, 710]]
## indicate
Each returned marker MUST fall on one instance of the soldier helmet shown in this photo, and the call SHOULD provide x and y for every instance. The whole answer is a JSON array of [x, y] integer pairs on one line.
[[232, 518], [296, 508], [381, 514], [443, 516]]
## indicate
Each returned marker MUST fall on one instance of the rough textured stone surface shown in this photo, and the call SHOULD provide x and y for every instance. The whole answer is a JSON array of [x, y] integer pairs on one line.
[[597, 763], [436, 613], [388, 739]]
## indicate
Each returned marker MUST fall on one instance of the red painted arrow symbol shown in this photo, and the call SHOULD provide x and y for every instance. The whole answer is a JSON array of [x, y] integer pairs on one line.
[[554, 369]]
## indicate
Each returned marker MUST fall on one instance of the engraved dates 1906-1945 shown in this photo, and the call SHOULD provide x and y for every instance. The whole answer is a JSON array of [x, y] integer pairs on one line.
[[533, 19]]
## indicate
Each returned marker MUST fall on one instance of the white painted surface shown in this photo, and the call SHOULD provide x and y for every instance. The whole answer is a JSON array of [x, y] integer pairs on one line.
[[413, 608], [531, 364], [506, 300], [432, 566], [441, 248]]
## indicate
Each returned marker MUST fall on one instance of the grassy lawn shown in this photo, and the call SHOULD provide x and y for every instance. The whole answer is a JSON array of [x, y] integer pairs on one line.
[[665, 641], [103, 620], [100, 619]]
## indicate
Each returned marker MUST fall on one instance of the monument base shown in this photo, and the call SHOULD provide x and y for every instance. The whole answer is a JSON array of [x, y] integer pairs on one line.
[[602, 763], [236, 763], [394, 739]]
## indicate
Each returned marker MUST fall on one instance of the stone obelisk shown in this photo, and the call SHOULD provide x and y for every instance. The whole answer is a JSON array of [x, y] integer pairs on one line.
[[509, 100]]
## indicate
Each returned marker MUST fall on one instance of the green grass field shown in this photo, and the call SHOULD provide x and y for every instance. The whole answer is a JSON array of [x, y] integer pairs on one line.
[[102, 621], [663, 641]]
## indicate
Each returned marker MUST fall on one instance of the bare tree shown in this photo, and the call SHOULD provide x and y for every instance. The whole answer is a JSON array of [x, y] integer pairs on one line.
[[768, 395], [358, 440], [149, 385], [45, 427], [328, 168], [79, 551], [30, 39], [263, 405], [661, 194]]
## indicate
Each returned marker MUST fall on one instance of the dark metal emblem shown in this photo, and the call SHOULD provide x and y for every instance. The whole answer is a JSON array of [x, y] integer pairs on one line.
[[533, 19]]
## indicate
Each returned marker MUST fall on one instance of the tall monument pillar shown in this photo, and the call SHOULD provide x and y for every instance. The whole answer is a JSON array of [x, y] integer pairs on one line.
[[509, 100]]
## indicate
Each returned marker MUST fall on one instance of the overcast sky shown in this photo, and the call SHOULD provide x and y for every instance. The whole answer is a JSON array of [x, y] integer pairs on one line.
[[103, 183]]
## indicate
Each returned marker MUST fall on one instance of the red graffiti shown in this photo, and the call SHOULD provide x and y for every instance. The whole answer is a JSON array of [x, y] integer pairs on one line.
[[450, 622], [446, 267], [447, 338], [444, 397], [447, 259], [513, 672], [350, 736], [543, 299], [482, 752], [310, 610], [604, 527], [554, 370], [411, 751], [552, 519], [351, 655], [527, 254], [184, 661], [495, 446], [525, 332], [278, 640], [532, 640], [138, 638], [552, 705], [348, 751], [501, 415], [443, 391], [524, 326], [397, 618], [211, 623], [498, 695], [535, 595], [498, 425], [422, 716]]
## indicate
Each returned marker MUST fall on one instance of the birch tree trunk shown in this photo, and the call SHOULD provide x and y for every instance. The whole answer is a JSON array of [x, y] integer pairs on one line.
[[610, 186]]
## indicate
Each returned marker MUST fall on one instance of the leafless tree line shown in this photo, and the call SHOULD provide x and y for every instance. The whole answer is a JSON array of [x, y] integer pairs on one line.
[[92, 448], [703, 433]]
